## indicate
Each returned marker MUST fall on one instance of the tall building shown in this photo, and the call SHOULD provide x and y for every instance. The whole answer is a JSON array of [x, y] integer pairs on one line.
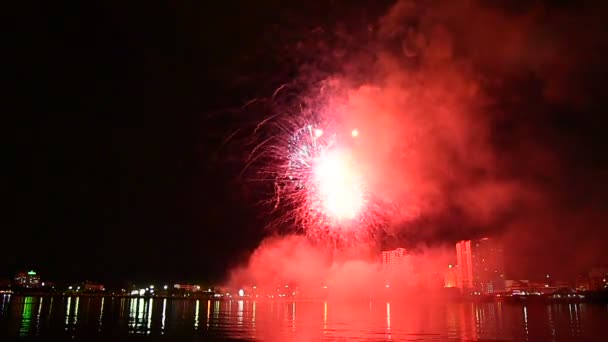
[[91, 286], [464, 277], [480, 265], [396, 259]]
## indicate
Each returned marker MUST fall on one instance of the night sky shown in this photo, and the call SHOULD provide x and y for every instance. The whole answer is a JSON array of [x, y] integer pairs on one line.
[[118, 166]]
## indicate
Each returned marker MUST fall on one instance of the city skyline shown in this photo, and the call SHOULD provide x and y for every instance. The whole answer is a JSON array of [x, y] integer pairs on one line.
[[398, 260], [479, 271]]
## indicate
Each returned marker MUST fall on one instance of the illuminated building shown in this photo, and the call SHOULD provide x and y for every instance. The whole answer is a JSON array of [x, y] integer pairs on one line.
[[464, 277], [187, 288], [89, 286], [451, 277], [398, 267], [27, 279], [396, 259], [480, 266], [527, 287], [517, 286]]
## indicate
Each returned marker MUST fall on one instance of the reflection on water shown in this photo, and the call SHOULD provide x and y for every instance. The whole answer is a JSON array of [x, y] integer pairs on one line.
[[298, 320], [164, 317], [140, 315], [26, 317]]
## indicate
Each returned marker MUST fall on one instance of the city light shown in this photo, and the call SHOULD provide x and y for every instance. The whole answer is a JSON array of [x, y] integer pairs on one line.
[[241, 293], [165, 287], [355, 133]]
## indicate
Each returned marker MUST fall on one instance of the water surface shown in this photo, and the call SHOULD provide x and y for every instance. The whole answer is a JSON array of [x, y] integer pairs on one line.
[[113, 318]]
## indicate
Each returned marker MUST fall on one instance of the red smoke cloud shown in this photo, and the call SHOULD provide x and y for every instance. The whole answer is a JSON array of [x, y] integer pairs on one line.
[[315, 271], [449, 101]]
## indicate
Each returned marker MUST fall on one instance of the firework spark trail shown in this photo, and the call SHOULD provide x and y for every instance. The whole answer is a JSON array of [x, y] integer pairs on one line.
[[318, 183]]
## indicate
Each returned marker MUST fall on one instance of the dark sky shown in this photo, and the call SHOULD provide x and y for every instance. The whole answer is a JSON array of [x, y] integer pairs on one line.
[[117, 169]]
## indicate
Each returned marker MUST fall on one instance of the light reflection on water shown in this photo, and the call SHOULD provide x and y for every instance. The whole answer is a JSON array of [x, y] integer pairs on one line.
[[298, 320]]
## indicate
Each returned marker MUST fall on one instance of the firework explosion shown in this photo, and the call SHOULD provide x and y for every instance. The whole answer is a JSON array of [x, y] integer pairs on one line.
[[325, 170], [319, 184]]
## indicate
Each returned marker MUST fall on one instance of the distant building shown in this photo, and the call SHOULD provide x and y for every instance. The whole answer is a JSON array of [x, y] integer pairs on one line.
[[396, 259], [480, 266], [27, 279], [526, 287], [399, 270], [464, 277], [543, 286], [90, 286], [561, 284], [187, 288], [517, 286]]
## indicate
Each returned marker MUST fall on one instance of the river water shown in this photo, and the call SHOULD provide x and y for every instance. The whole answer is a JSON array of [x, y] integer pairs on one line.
[[108, 318]]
